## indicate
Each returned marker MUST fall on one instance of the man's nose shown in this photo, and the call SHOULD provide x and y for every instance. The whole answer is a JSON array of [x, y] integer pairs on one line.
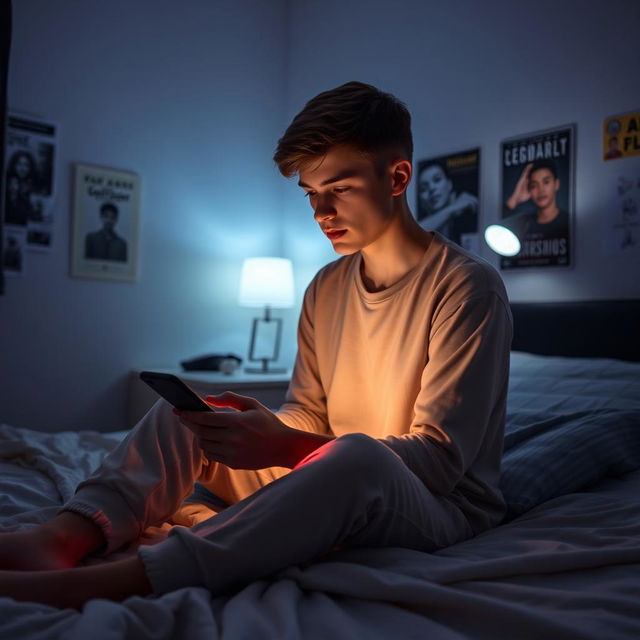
[[324, 209]]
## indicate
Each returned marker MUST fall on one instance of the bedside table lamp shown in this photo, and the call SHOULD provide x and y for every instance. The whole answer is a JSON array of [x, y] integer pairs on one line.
[[268, 283]]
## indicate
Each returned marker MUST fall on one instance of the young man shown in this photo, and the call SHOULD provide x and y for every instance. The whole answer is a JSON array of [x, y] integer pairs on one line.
[[106, 244], [391, 433]]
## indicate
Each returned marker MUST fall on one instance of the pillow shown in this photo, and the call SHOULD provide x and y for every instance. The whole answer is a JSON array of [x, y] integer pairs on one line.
[[548, 455]]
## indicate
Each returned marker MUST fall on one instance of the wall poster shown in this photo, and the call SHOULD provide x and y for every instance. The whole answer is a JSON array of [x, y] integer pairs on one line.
[[30, 183], [105, 223], [448, 189], [538, 173], [621, 136]]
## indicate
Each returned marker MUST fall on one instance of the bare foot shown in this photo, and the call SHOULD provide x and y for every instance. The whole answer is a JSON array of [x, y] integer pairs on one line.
[[73, 587], [58, 544]]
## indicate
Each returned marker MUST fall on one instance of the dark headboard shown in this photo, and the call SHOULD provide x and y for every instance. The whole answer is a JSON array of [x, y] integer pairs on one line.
[[590, 329]]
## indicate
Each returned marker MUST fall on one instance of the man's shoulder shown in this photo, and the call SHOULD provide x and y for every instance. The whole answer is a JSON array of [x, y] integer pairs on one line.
[[459, 270], [334, 271]]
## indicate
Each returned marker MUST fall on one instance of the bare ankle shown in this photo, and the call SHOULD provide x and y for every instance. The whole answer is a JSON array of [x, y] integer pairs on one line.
[[74, 535]]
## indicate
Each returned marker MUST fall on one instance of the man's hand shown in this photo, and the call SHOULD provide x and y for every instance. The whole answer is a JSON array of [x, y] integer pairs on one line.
[[521, 192], [251, 437]]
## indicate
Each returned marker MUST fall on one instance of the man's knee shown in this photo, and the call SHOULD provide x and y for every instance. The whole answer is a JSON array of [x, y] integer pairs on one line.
[[363, 454]]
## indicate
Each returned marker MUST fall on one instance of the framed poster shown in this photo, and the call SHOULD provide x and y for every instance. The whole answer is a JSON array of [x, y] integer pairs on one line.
[[538, 172], [106, 212], [448, 196]]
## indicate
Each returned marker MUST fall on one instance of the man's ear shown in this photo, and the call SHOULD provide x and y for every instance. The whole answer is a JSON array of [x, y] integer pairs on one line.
[[401, 171]]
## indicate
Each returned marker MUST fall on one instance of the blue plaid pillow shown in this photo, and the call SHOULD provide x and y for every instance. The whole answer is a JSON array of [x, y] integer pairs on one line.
[[548, 455]]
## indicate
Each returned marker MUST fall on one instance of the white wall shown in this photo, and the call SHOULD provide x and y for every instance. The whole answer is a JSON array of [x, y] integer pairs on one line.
[[474, 73], [189, 96], [193, 97]]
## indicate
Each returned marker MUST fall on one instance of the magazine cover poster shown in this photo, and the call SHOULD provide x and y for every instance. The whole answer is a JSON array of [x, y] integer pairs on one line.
[[447, 196], [621, 136], [30, 179], [537, 197], [105, 223]]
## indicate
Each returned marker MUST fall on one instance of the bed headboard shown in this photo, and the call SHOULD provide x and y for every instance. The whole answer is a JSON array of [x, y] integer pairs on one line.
[[590, 329]]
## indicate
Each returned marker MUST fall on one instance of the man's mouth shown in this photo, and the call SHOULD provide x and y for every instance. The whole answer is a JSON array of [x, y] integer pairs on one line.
[[335, 234]]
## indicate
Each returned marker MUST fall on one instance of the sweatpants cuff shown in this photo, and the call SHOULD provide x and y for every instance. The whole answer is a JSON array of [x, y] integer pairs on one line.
[[110, 512], [169, 565]]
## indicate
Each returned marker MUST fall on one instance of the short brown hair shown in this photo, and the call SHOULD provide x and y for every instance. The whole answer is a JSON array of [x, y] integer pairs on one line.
[[355, 114]]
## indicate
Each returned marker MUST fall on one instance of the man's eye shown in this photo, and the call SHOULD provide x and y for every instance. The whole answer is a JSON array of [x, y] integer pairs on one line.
[[341, 189], [309, 194]]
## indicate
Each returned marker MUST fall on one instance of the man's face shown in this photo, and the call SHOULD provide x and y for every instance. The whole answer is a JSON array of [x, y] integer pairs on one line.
[[543, 187], [351, 201], [109, 218], [434, 188], [23, 167]]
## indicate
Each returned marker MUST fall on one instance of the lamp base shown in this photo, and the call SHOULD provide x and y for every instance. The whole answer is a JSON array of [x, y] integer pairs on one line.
[[263, 370]]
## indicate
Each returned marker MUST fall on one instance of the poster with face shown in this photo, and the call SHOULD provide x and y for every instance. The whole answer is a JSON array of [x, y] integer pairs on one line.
[[105, 223], [537, 197], [448, 191], [29, 174]]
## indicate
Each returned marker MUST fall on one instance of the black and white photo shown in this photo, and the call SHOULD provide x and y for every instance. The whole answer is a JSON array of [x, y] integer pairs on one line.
[[13, 252], [30, 178], [448, 191], [105, 229]]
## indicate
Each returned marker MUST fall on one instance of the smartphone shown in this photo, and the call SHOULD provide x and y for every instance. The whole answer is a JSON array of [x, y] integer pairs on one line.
[[174, 391]]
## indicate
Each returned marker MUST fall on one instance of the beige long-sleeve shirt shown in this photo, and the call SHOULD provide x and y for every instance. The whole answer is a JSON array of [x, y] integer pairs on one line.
[[422, 365]]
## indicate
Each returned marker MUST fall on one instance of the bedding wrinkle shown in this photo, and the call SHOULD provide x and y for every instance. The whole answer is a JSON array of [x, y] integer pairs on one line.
[[566, 568]]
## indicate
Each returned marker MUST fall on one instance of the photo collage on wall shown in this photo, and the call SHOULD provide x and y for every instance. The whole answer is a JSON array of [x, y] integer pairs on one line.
[[29, 190], [537, 194]]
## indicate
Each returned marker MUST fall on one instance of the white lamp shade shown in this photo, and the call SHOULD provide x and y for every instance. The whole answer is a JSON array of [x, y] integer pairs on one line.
[[266, 281], [502, 240]]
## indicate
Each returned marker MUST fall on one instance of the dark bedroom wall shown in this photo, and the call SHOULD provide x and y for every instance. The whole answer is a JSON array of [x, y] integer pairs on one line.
[[475, 73], [190, 97]]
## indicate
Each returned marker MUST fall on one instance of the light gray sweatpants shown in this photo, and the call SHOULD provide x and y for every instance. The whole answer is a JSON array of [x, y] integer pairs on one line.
[[351, 492]]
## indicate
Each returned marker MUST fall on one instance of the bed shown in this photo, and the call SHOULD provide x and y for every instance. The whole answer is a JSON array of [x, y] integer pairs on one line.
[[564, 564]]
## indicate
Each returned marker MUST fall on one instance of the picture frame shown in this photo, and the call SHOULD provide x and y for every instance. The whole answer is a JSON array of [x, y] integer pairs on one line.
[[448, 196], [538, 177], [106, 221]]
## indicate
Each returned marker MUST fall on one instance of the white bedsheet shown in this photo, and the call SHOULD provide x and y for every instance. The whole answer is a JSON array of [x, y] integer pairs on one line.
[[568, 569]]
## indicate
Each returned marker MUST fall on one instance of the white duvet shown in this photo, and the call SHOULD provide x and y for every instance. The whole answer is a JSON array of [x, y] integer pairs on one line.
[[567, 569]]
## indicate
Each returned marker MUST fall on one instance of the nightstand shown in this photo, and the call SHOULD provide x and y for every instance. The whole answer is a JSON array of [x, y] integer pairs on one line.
[[268, 388]]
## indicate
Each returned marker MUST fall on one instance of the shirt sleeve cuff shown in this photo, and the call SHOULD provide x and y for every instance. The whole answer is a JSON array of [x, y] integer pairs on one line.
[[110, 512]]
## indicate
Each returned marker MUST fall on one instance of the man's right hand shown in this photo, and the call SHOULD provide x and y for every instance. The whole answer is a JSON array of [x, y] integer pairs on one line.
[[251, 437], [521, 192]]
